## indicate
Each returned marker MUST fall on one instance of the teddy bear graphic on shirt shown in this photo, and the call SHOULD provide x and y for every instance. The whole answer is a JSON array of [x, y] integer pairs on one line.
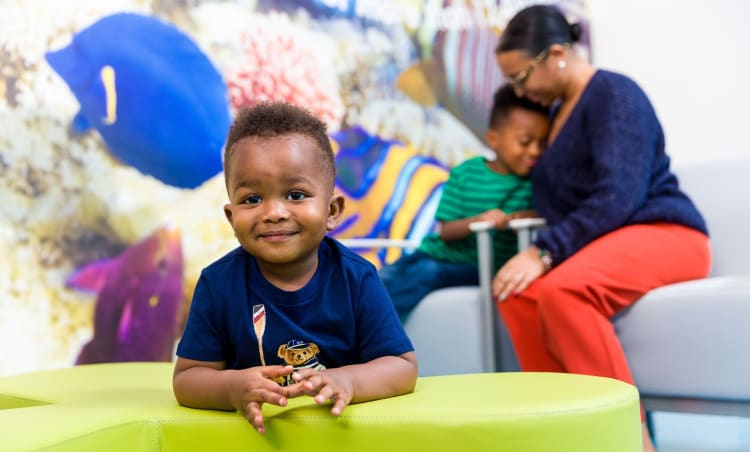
[[300, 355]]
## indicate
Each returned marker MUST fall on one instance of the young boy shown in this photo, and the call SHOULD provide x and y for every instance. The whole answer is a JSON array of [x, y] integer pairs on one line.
[[291, 312], [477, 190]]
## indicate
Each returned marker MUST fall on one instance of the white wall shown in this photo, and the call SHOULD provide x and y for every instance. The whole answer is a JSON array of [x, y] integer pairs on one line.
[[692, 58]]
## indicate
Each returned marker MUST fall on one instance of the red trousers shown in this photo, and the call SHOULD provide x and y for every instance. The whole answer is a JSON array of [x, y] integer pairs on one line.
[[561, 322]]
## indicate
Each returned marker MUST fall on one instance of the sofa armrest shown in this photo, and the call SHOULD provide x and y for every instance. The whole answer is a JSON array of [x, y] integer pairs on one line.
[[526, 229], [487, 311], [379, 243]]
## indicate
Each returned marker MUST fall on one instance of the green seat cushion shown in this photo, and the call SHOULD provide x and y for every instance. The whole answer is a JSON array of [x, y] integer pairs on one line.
[[130, 407]]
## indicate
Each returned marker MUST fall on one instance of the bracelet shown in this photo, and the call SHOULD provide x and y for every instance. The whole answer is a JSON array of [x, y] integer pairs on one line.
[[546, 258]]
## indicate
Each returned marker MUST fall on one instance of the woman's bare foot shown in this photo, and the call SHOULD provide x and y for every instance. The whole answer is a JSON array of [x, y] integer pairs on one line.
[[648, 445]]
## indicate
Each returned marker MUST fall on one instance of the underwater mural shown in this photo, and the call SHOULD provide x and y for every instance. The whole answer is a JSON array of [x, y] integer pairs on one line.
[[113, 117]]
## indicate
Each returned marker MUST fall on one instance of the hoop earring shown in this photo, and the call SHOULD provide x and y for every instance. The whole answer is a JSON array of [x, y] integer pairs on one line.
[[562, 64]]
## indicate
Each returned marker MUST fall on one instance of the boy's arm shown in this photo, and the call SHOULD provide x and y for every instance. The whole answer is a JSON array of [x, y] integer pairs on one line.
[[456, 229], [382, 377], [201, 384], [386, 376]]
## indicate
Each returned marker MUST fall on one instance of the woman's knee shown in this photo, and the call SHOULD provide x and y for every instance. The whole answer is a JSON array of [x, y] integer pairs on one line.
[[565, 297]]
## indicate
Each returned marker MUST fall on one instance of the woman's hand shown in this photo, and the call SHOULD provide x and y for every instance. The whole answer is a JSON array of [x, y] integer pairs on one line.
[[516, 275]]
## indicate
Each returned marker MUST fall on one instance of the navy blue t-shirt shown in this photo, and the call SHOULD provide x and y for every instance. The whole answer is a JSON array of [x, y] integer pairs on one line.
[[342, 316]]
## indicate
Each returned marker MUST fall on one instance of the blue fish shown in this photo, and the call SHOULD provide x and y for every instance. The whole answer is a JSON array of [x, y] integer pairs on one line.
[[158, 102], [139, 300]]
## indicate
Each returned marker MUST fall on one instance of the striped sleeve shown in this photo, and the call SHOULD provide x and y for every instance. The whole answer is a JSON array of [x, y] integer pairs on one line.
[[449, 207]]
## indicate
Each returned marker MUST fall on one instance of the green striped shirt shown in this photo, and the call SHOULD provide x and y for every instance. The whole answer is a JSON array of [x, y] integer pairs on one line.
[[473, 188]]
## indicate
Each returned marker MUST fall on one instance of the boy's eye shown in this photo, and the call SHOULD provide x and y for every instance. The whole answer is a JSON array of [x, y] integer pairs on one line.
[[524, 139], [296, 196], [252, 199]]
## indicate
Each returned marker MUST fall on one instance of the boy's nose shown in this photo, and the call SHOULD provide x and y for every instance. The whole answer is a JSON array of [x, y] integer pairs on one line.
[[275, 211]]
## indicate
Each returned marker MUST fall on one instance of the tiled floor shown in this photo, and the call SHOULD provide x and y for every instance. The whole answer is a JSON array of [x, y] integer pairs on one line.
[[700, 433]]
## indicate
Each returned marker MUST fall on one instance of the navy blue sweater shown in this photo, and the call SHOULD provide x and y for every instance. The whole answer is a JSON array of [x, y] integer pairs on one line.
[[606, 169]]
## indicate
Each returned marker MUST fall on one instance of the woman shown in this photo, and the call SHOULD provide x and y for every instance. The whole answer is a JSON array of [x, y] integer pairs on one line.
[[619, 224]]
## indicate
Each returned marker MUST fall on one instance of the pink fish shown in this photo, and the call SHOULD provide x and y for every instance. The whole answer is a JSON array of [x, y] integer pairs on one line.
[[139, 296]]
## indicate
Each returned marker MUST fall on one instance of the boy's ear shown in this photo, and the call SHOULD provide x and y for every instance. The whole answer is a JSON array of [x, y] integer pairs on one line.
[[228, 212], [335, 210], [492, 137]]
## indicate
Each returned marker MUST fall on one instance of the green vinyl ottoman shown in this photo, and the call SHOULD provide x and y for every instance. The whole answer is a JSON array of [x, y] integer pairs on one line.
[[130, 407]]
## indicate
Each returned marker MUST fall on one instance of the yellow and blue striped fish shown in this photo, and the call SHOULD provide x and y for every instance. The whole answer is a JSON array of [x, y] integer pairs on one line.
[[391, 190]]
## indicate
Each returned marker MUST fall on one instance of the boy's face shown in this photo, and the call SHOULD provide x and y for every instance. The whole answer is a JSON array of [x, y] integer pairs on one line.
[[280, 200], [518, 141]]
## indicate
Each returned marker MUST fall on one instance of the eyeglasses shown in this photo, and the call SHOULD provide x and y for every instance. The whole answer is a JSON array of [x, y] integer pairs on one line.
[[520, 79]]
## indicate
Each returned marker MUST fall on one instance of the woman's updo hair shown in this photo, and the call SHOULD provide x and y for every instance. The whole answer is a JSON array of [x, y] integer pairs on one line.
[[537, 27]]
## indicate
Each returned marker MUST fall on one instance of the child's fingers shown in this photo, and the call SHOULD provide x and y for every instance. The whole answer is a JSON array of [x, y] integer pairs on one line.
[[303, 374], [275, 396], [255, 417], [339, 403], [295, 390], [338, 395], [314, 384], [275, 371], [310, 381], [325, 394], [339, 399]]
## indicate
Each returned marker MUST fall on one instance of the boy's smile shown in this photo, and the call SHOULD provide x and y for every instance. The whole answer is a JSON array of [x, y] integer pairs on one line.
[[281, 204], [276, 235]]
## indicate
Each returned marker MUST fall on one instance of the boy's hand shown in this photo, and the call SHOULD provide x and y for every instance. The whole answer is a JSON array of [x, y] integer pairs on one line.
[[497, 217], [257, 387], [324, 385]]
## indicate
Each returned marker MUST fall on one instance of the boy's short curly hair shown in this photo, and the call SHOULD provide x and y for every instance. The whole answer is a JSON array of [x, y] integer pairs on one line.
[[505, 101], [275, 119]]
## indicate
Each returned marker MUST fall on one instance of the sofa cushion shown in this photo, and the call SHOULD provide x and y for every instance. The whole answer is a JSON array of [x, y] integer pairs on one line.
[[690, 339], [446, 331]]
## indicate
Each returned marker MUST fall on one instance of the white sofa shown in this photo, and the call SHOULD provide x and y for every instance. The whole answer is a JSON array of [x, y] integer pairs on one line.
[[688, 344]]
